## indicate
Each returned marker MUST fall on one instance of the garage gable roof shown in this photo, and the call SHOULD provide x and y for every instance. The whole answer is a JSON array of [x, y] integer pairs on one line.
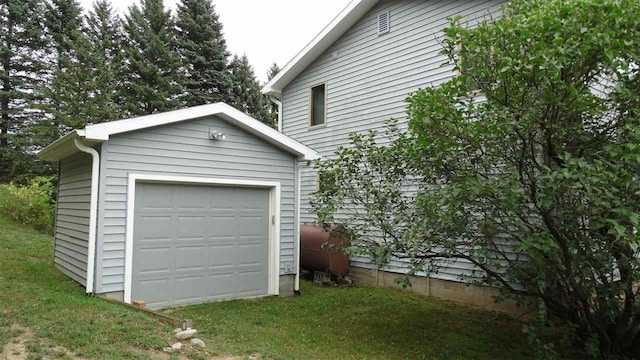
[[330, 34], [98, 133]]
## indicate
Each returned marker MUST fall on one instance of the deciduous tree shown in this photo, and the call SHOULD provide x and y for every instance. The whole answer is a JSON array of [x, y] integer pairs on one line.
[[533, 177]]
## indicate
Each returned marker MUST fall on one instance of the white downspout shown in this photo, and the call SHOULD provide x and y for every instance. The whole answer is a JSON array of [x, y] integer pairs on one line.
[[279, 103], [296, 286], [93, 212]]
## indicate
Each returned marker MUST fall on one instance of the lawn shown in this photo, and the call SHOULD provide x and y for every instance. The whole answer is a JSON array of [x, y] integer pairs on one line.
[[323, 323]]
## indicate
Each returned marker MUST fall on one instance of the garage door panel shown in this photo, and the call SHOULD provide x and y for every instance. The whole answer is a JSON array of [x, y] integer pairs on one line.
[[251, 254], [221, 226], [155, 198], [190, 258], [221, 256], [221, 285], [156, 228], [252, 225], [190, 288], [192, 198], [153, 260], [211, 244], [191, 228], [250, 282], [156, 291]]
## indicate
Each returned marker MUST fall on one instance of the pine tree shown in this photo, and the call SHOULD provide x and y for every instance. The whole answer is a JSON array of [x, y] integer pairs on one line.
[[273, 71], [203, 52], [245, 93], [63, 20], [66, 93], [105, 34], [153, 83], [24, 72], [273, 109]]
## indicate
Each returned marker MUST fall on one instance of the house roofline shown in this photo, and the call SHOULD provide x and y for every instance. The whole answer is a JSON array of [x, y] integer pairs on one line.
[[330, 34], [98, 133]]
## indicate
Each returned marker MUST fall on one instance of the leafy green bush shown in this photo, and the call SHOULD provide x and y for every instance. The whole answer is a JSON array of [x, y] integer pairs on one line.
[[525, 165], [31, 205]]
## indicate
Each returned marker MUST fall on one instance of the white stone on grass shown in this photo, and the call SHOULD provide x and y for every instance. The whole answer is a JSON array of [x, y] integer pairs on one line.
[[176, 346], [186, 334], [198, 342]]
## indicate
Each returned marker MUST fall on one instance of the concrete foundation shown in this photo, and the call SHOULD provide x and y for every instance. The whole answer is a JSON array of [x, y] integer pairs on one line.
[[476, 295], [286, 285], [116, 295], [286, 288]]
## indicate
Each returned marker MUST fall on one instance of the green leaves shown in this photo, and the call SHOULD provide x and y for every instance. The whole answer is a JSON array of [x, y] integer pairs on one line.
[[533, 178]]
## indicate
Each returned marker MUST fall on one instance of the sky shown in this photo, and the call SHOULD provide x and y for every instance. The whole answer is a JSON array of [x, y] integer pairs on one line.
[[266, 31]]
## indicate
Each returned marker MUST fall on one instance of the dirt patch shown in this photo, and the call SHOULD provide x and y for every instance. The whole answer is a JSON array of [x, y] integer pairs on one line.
[[23, 343], [186, 351], [244, 357]]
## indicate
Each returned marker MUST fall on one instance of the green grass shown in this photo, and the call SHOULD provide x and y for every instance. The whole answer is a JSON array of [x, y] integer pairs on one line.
[[324, 323], [357, 323], [36, 295]]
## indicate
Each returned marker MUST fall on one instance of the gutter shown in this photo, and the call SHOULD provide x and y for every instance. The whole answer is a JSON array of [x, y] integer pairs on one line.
[[93, 212]]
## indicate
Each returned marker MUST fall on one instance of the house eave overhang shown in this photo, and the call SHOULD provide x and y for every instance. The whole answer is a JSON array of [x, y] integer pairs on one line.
[[330, 34], [97, 133]]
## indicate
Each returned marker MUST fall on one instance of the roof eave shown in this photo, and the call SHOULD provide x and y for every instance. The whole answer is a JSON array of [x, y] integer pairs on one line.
[[98, 133], [61, 148], [330, 34]]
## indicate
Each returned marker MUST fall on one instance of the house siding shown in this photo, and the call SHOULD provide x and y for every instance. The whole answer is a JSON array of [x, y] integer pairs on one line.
[[184, 149], [72, 217], [368, 78]]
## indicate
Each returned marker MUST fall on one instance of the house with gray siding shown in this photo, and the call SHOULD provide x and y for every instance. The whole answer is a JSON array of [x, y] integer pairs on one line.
[[356, 74], [187, 206]]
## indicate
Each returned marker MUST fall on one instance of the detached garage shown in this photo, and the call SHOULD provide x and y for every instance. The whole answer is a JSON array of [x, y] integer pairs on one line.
[[187, 206]]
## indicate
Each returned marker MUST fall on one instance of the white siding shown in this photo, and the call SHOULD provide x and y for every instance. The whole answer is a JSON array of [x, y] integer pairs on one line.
[[183, 149], [370, 79]]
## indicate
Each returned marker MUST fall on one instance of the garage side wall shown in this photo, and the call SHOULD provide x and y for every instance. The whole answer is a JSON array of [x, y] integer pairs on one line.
[[72, 217], [184, 149]]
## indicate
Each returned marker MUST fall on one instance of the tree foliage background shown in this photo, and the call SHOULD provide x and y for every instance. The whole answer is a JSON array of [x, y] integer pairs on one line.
[[526, 165], [64, 67]]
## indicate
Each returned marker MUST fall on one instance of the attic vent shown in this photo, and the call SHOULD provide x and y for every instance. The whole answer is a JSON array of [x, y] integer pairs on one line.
[[383, 23]]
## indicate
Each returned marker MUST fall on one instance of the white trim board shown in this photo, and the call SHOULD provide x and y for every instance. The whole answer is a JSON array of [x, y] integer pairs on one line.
[[274, 225], [98, 133], [354, 11]]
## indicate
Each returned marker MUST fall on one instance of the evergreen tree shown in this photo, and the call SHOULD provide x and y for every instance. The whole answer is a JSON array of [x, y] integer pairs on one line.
[[22, 44], [273, 71], [66, 93], [273, 109], [105, 34], [63, 19], [203, 52], [153, 83], [245, 93]]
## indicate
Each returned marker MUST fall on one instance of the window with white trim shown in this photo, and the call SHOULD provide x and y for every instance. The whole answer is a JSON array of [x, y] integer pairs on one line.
[[317, 105]]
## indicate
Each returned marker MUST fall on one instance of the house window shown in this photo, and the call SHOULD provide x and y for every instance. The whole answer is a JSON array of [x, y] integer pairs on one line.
[[318, 105]]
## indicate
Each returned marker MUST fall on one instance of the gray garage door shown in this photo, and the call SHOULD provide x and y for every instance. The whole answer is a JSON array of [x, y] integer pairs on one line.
[[196, 243]]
